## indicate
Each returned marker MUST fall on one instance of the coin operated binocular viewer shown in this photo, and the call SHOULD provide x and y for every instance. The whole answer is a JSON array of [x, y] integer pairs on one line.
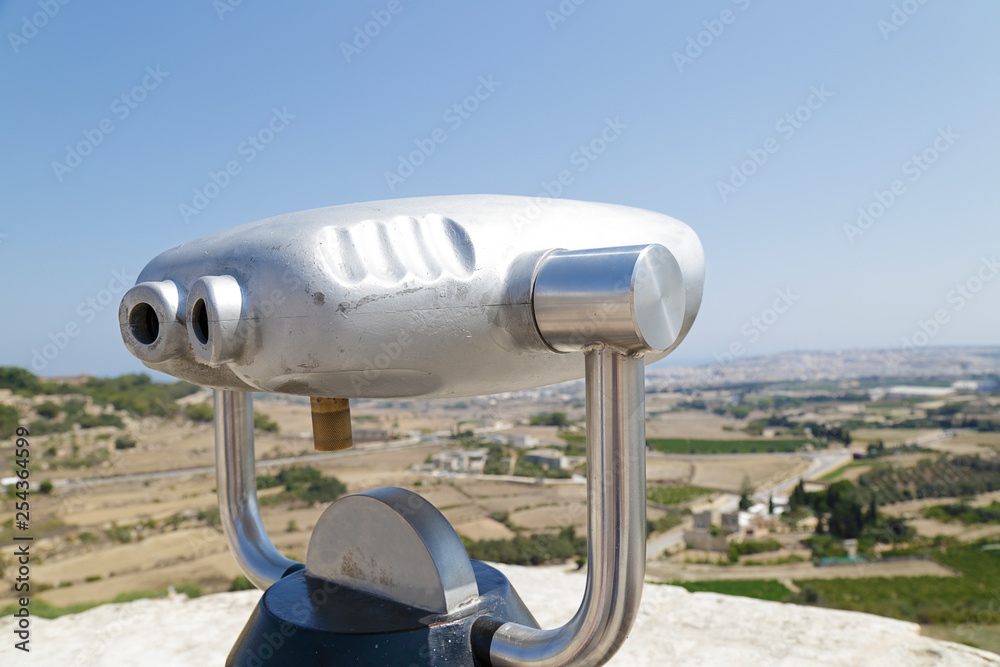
[[421, 298]]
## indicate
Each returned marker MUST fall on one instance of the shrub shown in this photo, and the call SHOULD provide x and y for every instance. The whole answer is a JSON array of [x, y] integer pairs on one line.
[[550, 419], [48, 409], [9, 418], [301, 483], [262, 422], [46, 426], [120, 534], [188, 589], [241, 583], [124, 443], [534, 550], [94, 421], [737, 549], [199, 412], [210, 516]]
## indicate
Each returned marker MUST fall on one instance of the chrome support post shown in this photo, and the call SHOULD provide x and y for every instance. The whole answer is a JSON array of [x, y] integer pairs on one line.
[[616, 551], [236, 484]]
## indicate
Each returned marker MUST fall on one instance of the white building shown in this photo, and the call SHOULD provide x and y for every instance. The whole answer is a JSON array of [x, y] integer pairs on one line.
[[551, 458], [523, 441], [461, 460]]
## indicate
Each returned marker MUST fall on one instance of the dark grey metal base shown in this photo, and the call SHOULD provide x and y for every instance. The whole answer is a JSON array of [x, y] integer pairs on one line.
[[302, 620]]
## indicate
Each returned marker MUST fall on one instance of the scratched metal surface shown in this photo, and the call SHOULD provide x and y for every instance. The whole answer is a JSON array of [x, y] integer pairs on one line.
[[411, 297]]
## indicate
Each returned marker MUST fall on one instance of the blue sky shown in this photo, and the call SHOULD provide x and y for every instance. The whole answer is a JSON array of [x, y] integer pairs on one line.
[[829, 103]]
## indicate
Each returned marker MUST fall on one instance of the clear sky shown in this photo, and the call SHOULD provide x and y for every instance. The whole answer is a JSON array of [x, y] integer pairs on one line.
[[764, 126]]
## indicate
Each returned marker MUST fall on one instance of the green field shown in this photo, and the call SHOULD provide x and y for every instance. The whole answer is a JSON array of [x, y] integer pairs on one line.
[[761, 589], [963, 513], [687, 446], [834, 474], [870, 436], [43, 609], [973, 597], [986, 637], [675, 495]]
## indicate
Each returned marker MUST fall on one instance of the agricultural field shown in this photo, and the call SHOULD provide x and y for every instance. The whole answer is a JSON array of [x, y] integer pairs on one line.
[[986, 637], [757, 446], [131, 508], [675, 495], [971, 597], [761, 589], [947, 476]]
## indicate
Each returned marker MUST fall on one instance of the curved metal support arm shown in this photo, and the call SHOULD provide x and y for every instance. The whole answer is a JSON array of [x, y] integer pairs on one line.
[[236, 483], [616, 551]]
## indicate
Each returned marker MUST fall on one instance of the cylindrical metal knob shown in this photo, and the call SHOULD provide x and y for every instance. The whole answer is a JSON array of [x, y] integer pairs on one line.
[[631, 298]]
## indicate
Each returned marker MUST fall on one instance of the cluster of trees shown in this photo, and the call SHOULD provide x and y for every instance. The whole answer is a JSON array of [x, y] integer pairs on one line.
[[199, 412], [264, 423], [964, 513], [494, 457], [841, 509], [9, 420], [878, 450], [72, 413], [303, 483], [523, 468], [945, 477], [550, 419], [824, 432], [204, 412], [136, 394], [531, 550], [829, 433], [737, 411], [737, 549]]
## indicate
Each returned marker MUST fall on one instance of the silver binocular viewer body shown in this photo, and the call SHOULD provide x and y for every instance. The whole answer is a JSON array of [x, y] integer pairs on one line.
[[427, 297]]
